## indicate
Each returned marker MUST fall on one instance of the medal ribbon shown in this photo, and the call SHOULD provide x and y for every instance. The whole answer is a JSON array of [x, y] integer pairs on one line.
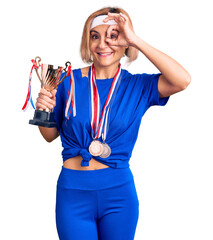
[[70, 103], [29, 94], [99, 123]]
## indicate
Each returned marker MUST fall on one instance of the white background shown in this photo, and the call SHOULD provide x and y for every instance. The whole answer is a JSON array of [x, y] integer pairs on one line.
[[172, 159]]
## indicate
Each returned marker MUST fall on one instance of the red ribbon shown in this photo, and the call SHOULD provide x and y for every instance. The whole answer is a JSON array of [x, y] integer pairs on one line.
[[69, 70], [27, 98], [100, 123], [70, 91], [35, 65]]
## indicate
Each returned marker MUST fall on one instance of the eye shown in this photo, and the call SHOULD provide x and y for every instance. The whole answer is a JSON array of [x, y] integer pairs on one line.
[[94, 36], [114, 35]]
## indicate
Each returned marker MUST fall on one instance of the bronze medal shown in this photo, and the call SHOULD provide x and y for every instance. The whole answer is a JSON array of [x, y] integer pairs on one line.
[[96, 148]]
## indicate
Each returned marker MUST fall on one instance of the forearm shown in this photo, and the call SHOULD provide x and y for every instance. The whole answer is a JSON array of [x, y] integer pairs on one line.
[[174, 73], [49, 134]]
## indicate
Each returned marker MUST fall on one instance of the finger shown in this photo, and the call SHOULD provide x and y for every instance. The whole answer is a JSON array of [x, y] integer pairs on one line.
[[119, 18], [112, 29], [46, 99], [115, 18], [40, 106], [41, 103], [111, 16], [45, 92], [124, 16], [113, 35], [115, 15], [112, 42], [53, 92]]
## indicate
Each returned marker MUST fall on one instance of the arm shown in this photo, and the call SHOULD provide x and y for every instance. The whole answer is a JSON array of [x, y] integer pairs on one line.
[[49, 134], [174, 77], [47, 100]]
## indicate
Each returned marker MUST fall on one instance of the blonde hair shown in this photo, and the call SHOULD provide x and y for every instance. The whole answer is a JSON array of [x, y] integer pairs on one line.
[[131, 52]]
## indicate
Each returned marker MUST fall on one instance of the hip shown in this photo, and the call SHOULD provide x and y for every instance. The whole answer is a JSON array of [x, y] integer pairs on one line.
[[94, 179]]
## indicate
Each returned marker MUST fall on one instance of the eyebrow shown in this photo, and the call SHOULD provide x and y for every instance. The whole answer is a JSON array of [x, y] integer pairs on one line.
[[94, 31], [115, 30]]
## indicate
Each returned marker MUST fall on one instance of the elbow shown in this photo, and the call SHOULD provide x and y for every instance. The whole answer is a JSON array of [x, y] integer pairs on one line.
[[49, 134], [185, 82], [188, 80], [49, 140]]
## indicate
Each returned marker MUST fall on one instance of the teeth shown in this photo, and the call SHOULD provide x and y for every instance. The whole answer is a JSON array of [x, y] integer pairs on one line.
[[104, 54]]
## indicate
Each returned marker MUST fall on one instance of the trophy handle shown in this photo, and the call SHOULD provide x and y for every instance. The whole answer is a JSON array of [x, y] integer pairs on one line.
[[67, 64], [38, 60]]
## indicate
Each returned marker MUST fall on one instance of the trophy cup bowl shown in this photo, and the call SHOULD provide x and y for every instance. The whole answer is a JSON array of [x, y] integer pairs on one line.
[[50, 78]]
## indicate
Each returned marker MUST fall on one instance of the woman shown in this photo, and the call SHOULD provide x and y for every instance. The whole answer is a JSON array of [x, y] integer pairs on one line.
[[96, 195]]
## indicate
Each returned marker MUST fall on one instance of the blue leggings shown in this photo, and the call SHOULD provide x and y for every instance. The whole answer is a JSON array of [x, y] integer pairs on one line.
[[96, 204]]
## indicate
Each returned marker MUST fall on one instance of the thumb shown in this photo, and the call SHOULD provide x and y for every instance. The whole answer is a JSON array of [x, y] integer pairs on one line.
[[53, 92]]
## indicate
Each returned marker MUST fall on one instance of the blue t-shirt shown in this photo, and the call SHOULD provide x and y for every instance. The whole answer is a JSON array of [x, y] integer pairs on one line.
[[136, 93]]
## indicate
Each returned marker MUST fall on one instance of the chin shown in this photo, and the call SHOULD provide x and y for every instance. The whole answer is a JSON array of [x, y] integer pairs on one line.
[[106, 62]]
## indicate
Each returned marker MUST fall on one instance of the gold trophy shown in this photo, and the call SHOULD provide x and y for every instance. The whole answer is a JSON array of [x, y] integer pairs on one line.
[[50, 77]]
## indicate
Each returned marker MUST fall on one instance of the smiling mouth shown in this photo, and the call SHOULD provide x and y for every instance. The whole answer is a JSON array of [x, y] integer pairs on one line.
[[104, 54]]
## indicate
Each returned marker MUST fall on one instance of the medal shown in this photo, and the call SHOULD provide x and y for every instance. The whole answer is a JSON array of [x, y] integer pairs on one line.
[[96, 148], [106, 151], [98, 119]]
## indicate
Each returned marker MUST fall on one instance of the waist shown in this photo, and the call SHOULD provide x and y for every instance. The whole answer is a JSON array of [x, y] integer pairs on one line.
[[75, 164], [94, 179], [116, 159]]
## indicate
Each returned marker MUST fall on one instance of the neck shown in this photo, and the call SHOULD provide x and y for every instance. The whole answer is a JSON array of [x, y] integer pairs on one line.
[[105, 72]]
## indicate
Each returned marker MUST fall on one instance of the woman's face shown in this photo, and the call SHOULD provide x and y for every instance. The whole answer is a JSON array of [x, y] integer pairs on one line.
[[103, 54]]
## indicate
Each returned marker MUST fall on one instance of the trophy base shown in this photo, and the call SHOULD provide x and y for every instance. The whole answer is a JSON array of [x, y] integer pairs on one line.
[[43, 119]]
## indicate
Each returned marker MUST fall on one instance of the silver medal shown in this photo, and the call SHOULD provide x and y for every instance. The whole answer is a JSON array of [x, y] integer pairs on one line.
[[106, 151]]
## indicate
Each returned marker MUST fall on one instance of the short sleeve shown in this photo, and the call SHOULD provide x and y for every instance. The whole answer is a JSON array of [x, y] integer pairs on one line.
[[59, 108], [150, 90]]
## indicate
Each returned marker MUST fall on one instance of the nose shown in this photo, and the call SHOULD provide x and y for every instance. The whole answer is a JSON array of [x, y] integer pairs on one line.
[[103, 43]]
